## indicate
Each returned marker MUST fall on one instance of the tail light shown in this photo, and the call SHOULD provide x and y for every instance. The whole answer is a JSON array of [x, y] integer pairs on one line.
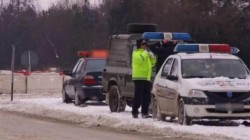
[[89, 80]]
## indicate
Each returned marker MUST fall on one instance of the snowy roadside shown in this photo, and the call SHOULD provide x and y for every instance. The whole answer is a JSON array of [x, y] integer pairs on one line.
[[99, 115]]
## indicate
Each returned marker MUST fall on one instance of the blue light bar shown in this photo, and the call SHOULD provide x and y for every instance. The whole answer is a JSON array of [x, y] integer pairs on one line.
[[167, 35], [181, 36], [205, 48], [153, 35], [188, 48]]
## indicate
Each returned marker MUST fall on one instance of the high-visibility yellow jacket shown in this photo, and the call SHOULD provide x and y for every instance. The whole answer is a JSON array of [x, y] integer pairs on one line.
[[142, 64]]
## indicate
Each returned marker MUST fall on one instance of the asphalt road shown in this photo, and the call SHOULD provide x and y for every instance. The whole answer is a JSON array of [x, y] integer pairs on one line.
[[19, 127]]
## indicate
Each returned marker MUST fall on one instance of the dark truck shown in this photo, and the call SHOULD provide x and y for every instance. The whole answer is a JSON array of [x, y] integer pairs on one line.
[[117, 74]]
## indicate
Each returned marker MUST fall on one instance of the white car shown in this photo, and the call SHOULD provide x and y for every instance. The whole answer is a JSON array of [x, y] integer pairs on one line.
[[202, 81]]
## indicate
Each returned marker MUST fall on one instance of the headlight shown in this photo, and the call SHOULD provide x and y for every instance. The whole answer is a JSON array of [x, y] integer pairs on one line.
[[197, 94]]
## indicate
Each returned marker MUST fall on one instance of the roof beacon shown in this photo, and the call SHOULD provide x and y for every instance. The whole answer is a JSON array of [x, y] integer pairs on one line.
[[93, 53], [206, 48], [166, 36]]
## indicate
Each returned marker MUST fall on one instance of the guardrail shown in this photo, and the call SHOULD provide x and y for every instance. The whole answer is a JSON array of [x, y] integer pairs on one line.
[[42, 82]]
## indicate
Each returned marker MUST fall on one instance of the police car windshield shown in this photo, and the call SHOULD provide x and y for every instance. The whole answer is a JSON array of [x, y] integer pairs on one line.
[[210, 68], [95, 64]]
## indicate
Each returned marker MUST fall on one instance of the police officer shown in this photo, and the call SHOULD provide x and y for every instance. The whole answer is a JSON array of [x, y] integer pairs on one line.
[[142, 63]]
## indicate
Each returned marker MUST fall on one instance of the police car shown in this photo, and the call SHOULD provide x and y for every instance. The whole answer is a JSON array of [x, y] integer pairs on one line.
[[83, 83], [202, 81]]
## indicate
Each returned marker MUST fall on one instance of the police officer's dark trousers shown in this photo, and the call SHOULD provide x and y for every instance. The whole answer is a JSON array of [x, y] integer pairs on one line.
[[142, 97]]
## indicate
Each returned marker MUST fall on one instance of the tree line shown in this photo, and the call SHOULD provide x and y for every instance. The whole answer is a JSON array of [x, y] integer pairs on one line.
[[56, 34]]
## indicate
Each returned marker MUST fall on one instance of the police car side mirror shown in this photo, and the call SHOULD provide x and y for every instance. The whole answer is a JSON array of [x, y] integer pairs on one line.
[[172, 77], [67, 72]]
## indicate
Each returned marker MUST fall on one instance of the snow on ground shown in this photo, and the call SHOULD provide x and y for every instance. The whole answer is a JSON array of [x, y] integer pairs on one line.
[[99, 115]]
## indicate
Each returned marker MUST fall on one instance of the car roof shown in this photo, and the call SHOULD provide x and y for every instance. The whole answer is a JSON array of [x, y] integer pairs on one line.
[[206, 56]]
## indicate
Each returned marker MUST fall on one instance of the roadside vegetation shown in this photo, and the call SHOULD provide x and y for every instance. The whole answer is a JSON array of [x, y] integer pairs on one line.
[[65, 28]]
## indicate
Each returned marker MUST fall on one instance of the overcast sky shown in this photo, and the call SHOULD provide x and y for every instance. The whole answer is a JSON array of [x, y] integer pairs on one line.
[[45, 4]]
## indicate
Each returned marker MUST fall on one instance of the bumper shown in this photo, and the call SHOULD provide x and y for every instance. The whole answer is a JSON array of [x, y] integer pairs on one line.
[[211, 111], [91, 92]]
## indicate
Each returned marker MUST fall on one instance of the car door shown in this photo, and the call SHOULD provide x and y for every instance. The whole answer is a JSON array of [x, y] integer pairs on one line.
[[161, 84], [171, 87], [70, 87]]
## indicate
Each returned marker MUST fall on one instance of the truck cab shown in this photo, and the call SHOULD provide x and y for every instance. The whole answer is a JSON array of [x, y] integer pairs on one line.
[[117, 74]]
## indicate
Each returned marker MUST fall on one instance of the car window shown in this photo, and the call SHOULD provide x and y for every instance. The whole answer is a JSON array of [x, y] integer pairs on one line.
[[174, 70], [81, 64], [118, 49], [192, 68], [76, 66], [132, 47], [166, 67], [95, 64]]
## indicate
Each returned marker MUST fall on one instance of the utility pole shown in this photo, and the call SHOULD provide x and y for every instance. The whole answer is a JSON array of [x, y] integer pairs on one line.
[[12, 71]]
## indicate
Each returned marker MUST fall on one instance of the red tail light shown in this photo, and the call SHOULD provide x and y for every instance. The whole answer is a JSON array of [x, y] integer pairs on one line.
[[89, 80]]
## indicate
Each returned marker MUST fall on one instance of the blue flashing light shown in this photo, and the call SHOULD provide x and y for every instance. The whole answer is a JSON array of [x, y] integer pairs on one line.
[[167, 35], [188, 48], [181, 36], [153, 35]]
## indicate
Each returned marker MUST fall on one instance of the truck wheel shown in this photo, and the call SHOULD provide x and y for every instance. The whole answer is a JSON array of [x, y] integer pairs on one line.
[[65, 98], [183, 119], [78, 100], [116, 102], [156, 110]]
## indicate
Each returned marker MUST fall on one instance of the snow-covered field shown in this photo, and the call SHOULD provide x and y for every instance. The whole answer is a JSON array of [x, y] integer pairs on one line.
[[95, 114]]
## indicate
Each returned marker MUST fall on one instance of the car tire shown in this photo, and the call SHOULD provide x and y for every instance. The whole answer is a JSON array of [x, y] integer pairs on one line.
[[78, 100], [65, 98], [116, 102], [156, 110], [183, 118]]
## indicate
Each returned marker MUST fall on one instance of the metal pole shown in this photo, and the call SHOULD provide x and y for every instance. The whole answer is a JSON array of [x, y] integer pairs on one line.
[[29, 70], [12, 71]]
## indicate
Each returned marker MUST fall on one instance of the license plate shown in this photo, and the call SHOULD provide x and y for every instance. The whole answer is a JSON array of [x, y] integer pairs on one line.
[[229, 107]]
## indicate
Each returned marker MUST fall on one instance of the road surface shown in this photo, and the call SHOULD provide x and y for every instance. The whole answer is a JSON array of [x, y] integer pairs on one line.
[[20, 127]]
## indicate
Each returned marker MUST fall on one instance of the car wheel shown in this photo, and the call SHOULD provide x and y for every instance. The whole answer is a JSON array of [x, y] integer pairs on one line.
[[183, 119], [65, 98], [156, 110], [116, 102], [78, 100]]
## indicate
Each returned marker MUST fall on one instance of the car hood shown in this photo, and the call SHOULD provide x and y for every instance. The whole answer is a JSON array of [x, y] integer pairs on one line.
[[218, 84]]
